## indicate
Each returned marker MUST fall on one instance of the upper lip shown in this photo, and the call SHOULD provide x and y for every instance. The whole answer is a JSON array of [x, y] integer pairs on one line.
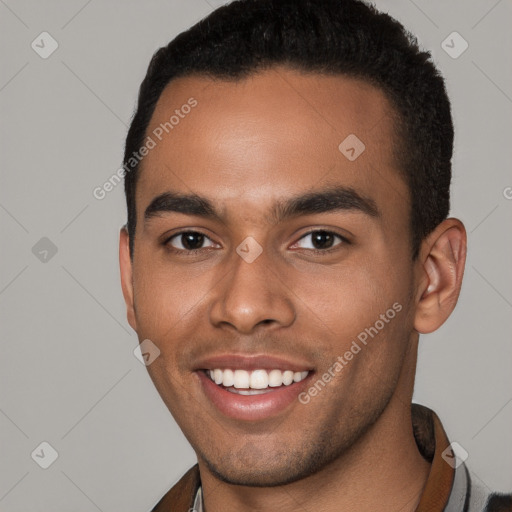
[[251, 362]]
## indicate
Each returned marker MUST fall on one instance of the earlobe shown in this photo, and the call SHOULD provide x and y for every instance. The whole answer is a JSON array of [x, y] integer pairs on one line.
[[441, 269], [125, 264]]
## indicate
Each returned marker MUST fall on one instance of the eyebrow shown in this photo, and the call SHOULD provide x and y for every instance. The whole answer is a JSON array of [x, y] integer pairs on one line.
[[335, 198]]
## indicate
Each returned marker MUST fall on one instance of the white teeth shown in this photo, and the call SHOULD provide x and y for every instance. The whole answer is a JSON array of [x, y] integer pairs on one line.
[[217, 376], [255, 380], [247, 391], [259, 379], [287, 377], [228, 379], [241, 379], [298, 376], [275, 378]]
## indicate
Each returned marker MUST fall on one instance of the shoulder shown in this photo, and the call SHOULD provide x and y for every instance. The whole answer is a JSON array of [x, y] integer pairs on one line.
[[181, 496]]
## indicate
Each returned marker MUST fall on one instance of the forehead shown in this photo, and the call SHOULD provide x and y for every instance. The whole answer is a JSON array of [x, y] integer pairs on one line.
[[268, 135]]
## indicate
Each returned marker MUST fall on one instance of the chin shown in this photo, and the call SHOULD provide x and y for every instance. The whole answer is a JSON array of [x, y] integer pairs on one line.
[[257, 476], [255, 467]]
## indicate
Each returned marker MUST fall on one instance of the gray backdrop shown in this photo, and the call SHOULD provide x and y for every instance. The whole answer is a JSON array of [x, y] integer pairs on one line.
[[68, 373]]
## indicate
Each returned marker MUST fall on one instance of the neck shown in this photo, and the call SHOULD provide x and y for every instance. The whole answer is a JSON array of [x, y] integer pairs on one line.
[[383, 471]]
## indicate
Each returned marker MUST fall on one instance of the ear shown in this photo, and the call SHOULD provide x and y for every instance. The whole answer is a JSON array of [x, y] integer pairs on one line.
[[125, 264], [440, 270]]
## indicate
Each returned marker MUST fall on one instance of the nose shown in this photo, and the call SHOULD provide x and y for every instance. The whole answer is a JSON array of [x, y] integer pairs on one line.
[[253, 294]]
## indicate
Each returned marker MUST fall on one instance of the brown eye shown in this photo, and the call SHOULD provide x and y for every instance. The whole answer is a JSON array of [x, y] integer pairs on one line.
[[320, 240], [188, 241]]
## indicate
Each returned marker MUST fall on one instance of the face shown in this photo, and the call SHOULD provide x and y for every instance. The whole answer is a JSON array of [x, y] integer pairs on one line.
[[286, 250]]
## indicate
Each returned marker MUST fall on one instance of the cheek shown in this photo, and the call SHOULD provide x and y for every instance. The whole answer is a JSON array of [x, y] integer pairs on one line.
[[349, 297], [165, 296], [366, 303]]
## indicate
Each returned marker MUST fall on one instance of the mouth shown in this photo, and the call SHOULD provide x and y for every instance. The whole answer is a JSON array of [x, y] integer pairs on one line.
[[252, 393], [255, 382]]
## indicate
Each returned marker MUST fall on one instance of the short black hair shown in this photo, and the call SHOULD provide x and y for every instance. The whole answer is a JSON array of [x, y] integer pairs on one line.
[[345, 37]]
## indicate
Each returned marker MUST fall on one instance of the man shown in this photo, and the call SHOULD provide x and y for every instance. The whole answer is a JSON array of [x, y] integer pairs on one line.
[[287, 182]]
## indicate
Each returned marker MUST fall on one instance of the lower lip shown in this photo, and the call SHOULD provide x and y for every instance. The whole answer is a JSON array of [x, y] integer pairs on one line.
[[251, 407]]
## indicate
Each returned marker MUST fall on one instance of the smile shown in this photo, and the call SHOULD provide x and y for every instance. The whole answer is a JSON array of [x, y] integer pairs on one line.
[[255, 382], [252, 394]]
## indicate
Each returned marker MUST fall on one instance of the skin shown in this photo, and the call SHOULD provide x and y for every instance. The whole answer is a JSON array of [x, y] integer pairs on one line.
[[245, 146]]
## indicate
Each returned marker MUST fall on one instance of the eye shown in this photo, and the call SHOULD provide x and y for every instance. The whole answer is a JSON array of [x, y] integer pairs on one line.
[[188, 241], [320, 240]]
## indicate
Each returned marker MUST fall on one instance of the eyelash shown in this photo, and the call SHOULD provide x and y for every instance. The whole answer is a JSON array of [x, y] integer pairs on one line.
[[193, 252]]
